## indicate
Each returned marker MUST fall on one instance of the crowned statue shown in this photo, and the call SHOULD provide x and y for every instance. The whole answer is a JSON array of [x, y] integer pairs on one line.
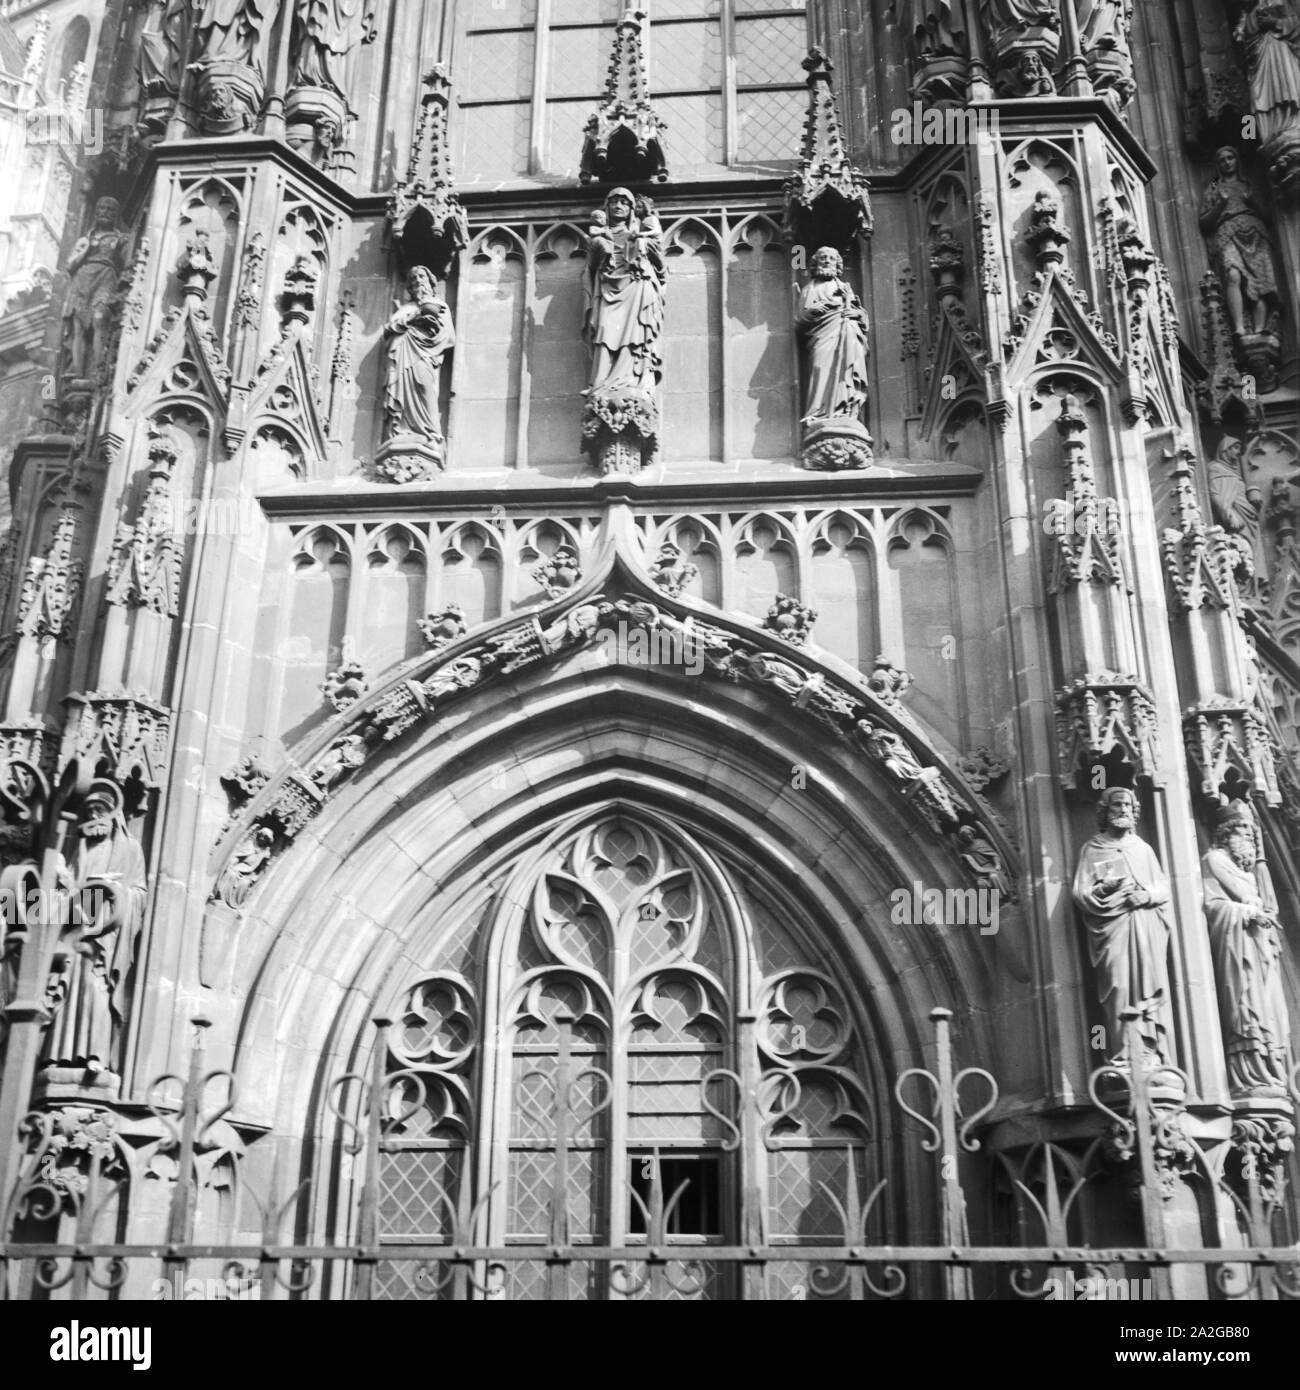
[[624, 321]]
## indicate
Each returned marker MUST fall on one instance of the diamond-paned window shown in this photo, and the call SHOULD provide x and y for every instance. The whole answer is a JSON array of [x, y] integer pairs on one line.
[[724, 76], [638, 1054]]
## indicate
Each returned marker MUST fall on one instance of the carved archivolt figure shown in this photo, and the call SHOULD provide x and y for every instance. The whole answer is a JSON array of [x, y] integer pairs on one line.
[[325, 32], [626, 276], [95, 264], [248, 860], [420, 334], [1231, 217], [1247, 945], [1122, 895], [106, 876], [982, 861]]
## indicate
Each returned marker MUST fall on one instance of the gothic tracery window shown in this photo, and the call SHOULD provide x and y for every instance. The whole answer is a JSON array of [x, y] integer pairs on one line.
[[635, 1055], [724, 75]]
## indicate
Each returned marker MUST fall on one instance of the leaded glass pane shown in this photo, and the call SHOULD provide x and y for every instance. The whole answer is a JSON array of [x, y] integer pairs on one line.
[[417, 1192], [770, 49], [587, 12], [694, 129], [673, 9], [564, 125], [579, 62], [686, 57], [500, 14], [768, 125], [499, 66], [495, 142]]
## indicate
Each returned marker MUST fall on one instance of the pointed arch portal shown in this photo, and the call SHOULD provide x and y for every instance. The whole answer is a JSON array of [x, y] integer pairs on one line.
[[630, 915]]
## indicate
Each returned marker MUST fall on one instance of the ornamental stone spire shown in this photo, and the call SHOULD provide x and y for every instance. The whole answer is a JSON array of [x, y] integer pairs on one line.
[[624, 138]]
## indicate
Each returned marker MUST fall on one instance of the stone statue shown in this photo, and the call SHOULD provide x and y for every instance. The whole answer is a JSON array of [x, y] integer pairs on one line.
[[1026, 75], [231, 46], [106, 877], [625, 281], [420, 334], [1104, 23], [231, 29], [1104, 27], [887, 748], [246, 863], [1247, 944], [1269, 30], [1018, 26], [95, 266], [626, 275], [982, 861], [833, 332], [1234, 504], [324, 33], [1232, 217], [938, 26], [248, 860], [161, 62], [1122, 895]]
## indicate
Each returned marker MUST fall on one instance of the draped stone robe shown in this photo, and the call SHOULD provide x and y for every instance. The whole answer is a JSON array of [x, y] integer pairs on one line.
[[625, 309], [420, 336], [1248, 973], [831, 324], [1129, 946]]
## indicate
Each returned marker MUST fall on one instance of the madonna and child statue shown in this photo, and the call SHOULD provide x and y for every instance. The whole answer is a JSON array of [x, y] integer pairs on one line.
[[624, 322]]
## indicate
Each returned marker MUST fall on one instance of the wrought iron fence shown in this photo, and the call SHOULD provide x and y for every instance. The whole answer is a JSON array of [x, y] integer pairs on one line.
[[83, 1180]]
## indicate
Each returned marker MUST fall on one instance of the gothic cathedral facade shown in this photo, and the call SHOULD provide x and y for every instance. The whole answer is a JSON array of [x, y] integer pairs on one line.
[[649, 649]]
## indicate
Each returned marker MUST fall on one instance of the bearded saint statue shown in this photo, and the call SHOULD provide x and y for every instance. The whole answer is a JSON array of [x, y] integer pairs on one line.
[[1246, 940], [1122, 895]]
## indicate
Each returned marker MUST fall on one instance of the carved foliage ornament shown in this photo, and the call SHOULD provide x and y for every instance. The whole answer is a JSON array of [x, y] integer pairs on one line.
[[939, 798]]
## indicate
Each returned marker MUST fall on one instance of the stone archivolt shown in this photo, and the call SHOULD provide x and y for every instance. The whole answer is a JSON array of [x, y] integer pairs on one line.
[[620, 598]]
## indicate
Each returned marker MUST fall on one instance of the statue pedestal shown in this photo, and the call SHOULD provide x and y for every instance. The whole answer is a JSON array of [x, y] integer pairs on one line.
[[941, 81], [229, 95], [67, 1081], [835, 445], [315, 119], [1281, 153], [1258, 354], [620, 429], [409, 458]]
